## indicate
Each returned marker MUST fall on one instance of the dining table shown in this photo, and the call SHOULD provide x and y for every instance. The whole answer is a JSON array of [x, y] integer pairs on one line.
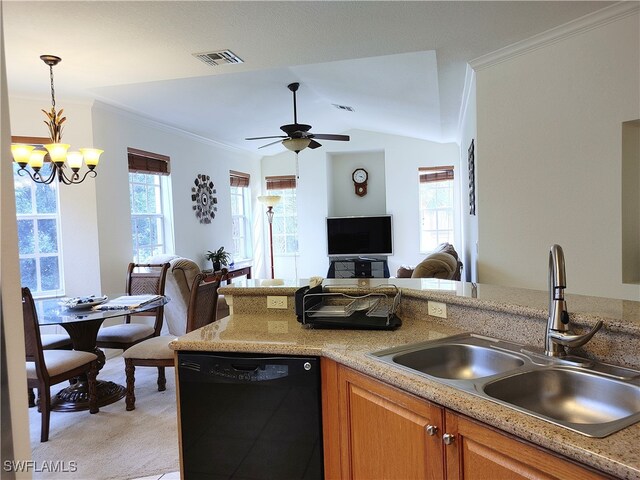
[[82, 325]]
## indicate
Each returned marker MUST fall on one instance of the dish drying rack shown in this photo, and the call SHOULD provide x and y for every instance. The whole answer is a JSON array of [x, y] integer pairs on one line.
[[372, 311]]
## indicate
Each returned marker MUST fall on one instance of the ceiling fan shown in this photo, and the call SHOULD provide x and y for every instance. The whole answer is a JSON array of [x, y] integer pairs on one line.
[[298, 137]]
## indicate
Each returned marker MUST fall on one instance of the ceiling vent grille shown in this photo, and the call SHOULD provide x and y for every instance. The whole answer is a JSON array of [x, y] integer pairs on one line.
[[343, 107], [218, 58]]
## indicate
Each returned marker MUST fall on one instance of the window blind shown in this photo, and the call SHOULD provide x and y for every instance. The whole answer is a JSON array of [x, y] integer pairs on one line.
[[281, 182], [435, 174], [147, 162], [239, 179]]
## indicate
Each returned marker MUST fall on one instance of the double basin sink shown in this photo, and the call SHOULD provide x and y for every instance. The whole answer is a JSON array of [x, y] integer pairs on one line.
[[591, 398]]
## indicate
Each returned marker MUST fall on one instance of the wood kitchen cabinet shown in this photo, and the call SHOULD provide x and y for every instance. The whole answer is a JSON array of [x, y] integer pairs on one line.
[[375, 431]]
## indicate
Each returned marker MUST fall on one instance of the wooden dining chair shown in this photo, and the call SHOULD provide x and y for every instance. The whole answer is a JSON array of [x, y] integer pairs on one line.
[[51, 341], [50, 367], [142, 279], [155, 352]]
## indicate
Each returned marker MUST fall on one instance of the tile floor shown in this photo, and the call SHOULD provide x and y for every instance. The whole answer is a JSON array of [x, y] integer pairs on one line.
[[164, 476]]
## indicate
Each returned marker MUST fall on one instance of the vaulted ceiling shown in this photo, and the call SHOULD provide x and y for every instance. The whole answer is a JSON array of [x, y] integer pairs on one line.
[[399, 65]]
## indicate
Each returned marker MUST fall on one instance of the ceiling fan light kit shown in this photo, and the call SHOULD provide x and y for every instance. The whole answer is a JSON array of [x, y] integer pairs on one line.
[[296, 144], [298, 135]]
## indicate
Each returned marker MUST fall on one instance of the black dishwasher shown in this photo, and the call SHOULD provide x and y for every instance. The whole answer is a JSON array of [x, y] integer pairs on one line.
[[250, 416]]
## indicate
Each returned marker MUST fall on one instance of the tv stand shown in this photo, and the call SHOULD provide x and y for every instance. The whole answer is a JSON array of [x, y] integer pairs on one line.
[[358, 268]]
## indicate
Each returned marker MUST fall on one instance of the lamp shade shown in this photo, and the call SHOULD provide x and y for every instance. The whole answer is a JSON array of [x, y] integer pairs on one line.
[[21, 153], [74, 159], [91, 156], [57, 152], [296, 144], [36, 160], [269, 200]]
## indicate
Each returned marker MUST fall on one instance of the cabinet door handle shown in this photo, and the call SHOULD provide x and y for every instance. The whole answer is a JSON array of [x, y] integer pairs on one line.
[[432, 430], [448, 438]]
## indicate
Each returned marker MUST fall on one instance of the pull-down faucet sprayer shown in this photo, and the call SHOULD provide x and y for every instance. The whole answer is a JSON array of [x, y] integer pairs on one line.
[[558, 334]]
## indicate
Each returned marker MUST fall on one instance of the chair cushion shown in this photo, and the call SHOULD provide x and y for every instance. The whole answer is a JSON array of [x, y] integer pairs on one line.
[[404, 272], [446, 248], [60, 361], [156, 348], [437, 265], [124, 333], [51, 341], [180, 277]]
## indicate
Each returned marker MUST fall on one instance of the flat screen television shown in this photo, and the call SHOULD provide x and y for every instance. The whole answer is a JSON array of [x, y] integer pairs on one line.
[[360, 236]]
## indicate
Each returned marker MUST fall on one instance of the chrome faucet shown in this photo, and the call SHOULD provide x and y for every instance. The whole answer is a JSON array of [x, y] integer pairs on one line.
[[559, 336]]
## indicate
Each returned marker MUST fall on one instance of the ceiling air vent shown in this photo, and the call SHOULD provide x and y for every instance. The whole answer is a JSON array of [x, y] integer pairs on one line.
[[343, 107], [218, 58]]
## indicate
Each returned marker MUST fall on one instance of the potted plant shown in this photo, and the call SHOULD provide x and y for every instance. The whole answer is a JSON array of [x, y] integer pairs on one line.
[[218, 258]]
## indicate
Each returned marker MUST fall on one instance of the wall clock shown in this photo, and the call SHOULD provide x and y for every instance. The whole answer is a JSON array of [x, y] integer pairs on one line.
[[203, 196], [360, 177]]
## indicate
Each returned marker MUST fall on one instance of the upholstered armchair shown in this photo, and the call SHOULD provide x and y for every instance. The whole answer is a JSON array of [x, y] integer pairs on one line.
[[180, 276], [442, 263]]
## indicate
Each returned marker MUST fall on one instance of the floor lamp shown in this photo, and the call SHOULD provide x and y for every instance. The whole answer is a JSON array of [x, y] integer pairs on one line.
[[270, 201]]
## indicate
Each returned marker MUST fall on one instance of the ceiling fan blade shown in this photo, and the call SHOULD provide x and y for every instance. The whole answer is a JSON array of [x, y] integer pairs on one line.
[[329, 136], [314, 144], [263, 138], [272, 143]]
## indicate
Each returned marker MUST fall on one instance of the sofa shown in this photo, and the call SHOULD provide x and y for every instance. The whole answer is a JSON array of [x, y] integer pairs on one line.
[[442, 263], [180, 277]]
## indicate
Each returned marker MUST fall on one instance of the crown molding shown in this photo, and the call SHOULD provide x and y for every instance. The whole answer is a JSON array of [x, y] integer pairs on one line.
[[469, 79], [556, 34], [168, 128]]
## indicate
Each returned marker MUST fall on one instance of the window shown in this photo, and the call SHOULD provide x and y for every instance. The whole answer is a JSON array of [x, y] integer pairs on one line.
[[240, 216], [39, 243], [285, 216], [147, 189], [436, 207]]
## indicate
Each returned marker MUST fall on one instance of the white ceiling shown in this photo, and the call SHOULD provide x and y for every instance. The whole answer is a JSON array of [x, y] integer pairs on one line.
[[400, 65]]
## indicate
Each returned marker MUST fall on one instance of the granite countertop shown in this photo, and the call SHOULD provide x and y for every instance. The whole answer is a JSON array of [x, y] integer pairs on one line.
[[619, 315], [281, 333]]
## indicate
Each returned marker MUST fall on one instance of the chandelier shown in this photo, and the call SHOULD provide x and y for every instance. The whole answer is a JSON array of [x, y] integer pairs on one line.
[[61, 158]]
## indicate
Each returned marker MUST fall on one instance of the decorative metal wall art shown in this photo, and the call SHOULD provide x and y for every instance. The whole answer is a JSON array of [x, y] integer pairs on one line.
[[472, 180], [203, 196]]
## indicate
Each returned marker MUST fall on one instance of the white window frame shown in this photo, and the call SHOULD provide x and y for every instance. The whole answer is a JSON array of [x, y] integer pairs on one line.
[[34, 217], [442, 234], [281, 211], [165, 236], [242, 195]]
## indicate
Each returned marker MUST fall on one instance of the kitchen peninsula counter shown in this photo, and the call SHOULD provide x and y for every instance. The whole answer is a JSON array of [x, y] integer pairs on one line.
[[253, 329]]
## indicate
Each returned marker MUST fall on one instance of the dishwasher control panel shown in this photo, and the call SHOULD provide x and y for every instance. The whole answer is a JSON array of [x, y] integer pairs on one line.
[[248, 373]]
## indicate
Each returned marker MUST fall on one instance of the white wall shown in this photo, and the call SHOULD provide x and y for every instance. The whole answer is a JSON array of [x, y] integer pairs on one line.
[[115, 130], [468, 131], [14, 415], [549, 159], [319, 175], [77, 202], [342, 198]]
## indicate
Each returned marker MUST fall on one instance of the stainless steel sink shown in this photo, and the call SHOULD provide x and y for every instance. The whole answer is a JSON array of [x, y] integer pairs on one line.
[[459, 361], [594, 399], [591, 403]]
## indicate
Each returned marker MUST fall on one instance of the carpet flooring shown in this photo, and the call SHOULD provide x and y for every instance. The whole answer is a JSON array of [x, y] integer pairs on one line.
[[114, 443]]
